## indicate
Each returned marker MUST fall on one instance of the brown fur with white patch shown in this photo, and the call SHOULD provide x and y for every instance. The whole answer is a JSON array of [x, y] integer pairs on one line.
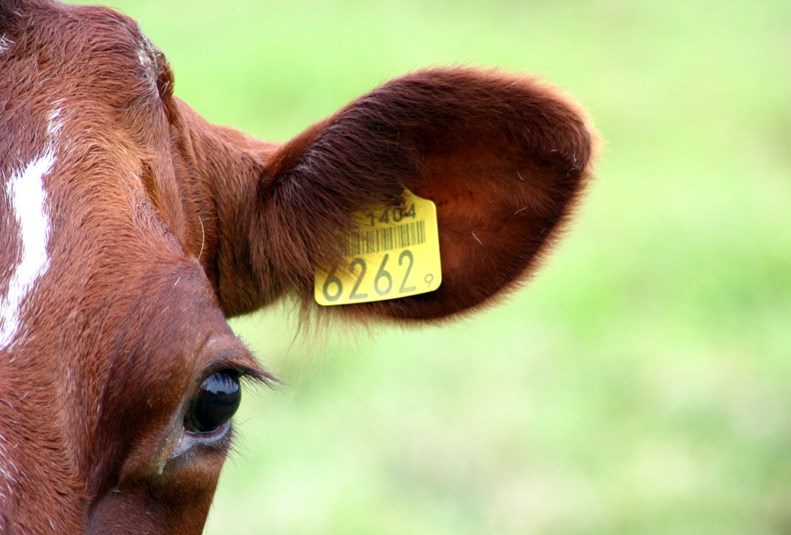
[[163, 225]]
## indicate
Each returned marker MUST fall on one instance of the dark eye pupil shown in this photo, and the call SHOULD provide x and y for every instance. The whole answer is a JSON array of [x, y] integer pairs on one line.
[[216, 402]]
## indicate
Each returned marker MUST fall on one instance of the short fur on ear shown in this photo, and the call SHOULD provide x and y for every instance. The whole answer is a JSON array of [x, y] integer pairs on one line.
[[503, 157]]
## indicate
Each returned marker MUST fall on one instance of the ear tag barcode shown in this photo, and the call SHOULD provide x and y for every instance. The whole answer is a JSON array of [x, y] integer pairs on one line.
[[393, 254]]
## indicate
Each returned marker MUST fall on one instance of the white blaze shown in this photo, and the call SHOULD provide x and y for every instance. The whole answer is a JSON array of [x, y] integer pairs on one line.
[[28, 204]]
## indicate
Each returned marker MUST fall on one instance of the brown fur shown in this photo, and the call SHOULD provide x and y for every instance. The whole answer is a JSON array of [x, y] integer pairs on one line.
[[164, 225]]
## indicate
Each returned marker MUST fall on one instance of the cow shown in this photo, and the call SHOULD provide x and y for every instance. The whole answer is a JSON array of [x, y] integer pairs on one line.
[[131, 229]]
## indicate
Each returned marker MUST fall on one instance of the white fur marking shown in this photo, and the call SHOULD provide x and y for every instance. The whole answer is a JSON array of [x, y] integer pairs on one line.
[[143, 58], [28, 203], [5, 43], [9, 473], [55, 124]]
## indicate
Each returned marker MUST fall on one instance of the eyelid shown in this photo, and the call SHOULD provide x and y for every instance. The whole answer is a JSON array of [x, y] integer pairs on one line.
[[244, 364], [226, 352]]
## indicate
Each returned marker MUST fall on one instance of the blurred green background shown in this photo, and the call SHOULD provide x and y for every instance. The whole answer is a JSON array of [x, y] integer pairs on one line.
[[640, 384]]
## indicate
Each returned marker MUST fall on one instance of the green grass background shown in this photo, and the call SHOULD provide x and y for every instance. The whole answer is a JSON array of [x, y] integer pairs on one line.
[[640, 384]]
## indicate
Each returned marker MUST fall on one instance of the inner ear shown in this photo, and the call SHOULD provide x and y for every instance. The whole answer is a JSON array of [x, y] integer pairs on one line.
[[502, 157]]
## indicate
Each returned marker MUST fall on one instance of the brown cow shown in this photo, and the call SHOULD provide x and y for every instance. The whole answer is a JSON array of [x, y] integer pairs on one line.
[[131, 229]]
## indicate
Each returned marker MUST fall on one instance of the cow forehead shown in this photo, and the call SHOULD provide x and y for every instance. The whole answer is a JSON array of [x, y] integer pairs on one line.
[[89, 54], [83, 131]]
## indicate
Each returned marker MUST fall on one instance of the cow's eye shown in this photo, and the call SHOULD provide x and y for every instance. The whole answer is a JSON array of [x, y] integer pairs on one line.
[[216, 402]]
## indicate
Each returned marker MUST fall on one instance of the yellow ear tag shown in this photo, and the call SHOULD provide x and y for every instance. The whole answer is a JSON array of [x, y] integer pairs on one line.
[[394, 254]]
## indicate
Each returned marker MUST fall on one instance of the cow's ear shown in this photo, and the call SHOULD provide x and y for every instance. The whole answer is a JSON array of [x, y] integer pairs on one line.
[[502, 157]]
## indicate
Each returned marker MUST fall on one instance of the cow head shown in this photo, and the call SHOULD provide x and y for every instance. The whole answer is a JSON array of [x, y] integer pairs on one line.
[[131, 229]]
